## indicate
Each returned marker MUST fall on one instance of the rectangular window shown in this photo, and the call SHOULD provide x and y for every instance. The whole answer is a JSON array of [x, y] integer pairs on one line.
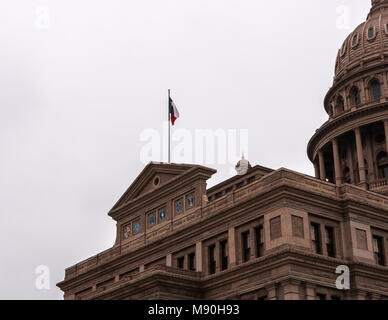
[[218, 195], [316, 238], [180, 262], [192, 261], [246, 252], [239, 185], [212, 260], [259, 241], [330, 245], [224, 255], [230, 189], [321, 296], [251, 179], [378, 250]]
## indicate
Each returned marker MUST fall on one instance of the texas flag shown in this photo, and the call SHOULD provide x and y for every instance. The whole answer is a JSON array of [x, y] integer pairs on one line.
[[174, 113]]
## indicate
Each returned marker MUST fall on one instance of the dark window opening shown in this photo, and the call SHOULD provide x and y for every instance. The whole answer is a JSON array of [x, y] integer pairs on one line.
[[224, 255], [355, 40], [380, 138], [355, 96], [375, 90], [251, 179], [378, 250], [384, 171], [335, 298], [240, 185], [340, 105], [230, 189], [330, 246], [259, 241], [180, 262], [316, 238], [212, 260], [192, 261], [382, 161], [218, 195], [321, 296], [371, 33], [347, 177], [246, 251]]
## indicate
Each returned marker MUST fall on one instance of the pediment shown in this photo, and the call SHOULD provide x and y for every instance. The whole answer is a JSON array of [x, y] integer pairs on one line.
[[153, 176]]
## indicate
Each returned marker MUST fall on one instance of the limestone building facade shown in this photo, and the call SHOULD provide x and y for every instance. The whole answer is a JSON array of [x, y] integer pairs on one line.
[[264, 233]]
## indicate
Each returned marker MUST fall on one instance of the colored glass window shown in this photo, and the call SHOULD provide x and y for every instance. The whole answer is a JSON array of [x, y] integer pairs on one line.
[[127, 231], [136, 227], [190, 201], [162, 214], [151, 220], [179, 206]]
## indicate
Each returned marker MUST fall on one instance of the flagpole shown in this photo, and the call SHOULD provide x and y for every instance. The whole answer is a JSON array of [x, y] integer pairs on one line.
[[169, 128]]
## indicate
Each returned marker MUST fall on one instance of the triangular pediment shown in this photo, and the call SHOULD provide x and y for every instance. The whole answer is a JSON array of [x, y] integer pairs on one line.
[[153, 176]]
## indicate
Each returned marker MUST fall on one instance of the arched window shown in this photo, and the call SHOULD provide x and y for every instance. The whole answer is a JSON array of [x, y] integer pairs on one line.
[[340, 107], [371, 33], [382, 163], [375, 89], [355, 97], [355, 40]]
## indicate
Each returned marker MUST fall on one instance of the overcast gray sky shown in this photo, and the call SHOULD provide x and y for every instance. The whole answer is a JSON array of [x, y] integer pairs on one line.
[[80, 80]]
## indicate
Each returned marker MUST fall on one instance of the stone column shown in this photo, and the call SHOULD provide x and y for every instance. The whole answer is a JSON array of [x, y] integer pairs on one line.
[[169, 260], [363, 94], [316, 169], [386, 133], [360, 157], [369, 150], [232, 246], [291, 290], [337, 163], [198, 257], [271, 293], [322, 170], [350, 162], [310, 292]]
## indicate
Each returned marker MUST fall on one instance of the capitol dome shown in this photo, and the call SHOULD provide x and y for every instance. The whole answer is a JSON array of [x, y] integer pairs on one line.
[[367, 44], [351, 147]]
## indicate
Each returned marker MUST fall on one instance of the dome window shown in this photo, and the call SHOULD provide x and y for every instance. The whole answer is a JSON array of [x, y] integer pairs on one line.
[[375, 89], [355, 40], [355, 96], [371, 33], [343, 49], [340, 107]]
